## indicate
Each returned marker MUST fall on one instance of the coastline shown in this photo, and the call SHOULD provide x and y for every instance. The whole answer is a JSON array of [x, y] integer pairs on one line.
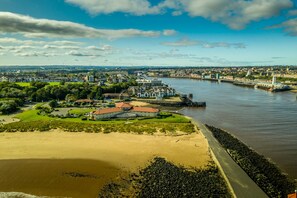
[[63, 164], [238, 178], [238, 182]]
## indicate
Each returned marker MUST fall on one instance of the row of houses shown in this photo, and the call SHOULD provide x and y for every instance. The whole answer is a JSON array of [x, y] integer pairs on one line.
[[123, 110], [157, 92], [149, 83]]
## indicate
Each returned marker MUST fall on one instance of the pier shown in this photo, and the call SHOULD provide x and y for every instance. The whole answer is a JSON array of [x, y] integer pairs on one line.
[[185, 102]]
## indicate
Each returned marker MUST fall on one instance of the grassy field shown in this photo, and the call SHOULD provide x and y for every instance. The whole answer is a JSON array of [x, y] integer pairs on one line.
[[26, 84], [31, 115], [171, 124], [80, 111]]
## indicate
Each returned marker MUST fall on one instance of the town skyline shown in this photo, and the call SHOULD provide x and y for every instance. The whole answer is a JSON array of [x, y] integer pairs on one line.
[[148, 33]]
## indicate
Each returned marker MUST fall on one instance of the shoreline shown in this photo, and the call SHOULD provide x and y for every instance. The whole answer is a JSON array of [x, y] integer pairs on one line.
[[234, 182], [61, 161], [239, 183], [229, 82], [265, 173]]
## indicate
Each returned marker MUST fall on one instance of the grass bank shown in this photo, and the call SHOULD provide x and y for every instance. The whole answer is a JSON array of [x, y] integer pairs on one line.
[[31, 121]]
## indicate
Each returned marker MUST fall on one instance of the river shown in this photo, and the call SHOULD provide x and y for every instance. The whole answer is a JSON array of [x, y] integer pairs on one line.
[[265, 121]]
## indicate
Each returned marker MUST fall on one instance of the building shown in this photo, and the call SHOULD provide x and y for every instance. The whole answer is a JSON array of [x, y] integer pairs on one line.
[[89, 78], [293, 195], [146, 82], [274, 80], [123, 110], [249, 72], [157, 92], [120, 96], [273, 86]]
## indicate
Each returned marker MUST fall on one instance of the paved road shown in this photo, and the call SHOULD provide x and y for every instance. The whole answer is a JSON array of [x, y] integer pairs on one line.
[[241, 184]]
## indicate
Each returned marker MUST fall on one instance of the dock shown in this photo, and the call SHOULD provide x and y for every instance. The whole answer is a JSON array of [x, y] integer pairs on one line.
[[185, 102]]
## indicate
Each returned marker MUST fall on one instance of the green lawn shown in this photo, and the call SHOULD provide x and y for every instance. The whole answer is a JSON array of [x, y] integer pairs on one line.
[[31, 115], [81, 111], [31, 121], [26, 84], [23, 84]]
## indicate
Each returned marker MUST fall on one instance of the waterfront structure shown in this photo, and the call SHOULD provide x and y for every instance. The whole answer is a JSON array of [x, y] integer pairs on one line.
[[123, 110], [158, 92], [217, 76], [274, 80], [151, 89], [147, 82], [249, 72], [273, 86]]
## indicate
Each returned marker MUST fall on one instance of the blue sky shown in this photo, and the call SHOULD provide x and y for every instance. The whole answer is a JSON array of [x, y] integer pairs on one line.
[[148, 32]]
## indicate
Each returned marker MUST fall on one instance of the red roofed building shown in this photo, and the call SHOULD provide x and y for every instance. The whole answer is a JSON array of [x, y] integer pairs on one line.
[[124, 105], [293, 195], [124, 110]]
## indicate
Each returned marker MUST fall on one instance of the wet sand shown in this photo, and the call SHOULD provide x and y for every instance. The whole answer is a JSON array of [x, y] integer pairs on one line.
[[79, 164], [55, 177]]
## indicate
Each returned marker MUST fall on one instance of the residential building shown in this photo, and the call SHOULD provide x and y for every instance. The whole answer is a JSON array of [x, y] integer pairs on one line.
[[124, 110]]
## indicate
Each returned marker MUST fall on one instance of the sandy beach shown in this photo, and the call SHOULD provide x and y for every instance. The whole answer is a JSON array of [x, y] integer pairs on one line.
[[58, 163]]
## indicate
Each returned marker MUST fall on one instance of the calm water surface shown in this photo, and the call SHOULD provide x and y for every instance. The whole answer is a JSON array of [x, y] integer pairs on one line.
[[263, 120]]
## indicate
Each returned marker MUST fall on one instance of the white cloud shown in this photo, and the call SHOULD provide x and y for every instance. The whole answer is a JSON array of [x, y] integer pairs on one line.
[[60, 47], [9, 40], [204, 44], [65, 42], [234, 13], [136, 7], [94, 48], [102, 48], [181, 43], [290, 26], [35, 54], [106, 47], [44, 28], [77, 53], [169, 32]]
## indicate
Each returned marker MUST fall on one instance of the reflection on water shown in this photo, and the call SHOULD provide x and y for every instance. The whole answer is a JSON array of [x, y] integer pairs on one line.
[[265, 121]]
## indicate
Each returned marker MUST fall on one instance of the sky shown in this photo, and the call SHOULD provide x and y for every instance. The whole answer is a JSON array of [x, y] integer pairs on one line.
[[148, 32]]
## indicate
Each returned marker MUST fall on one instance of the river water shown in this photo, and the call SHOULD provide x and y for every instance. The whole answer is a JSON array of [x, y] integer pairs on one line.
[[265, 121]]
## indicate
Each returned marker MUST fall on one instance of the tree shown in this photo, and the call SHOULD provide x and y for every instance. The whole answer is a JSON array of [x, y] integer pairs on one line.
[[7, 107], [38, 85], [70, 98], [53, 103]]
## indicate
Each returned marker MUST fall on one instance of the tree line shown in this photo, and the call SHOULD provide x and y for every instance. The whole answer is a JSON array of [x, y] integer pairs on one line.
[[12, 95]]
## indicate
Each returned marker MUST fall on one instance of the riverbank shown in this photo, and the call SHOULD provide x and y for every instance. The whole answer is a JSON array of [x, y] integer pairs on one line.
[[263, 120], [58, 163], [265, 173]]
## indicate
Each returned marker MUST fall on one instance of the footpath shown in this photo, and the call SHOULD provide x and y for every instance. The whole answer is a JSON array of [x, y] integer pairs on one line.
[[240, 184]]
